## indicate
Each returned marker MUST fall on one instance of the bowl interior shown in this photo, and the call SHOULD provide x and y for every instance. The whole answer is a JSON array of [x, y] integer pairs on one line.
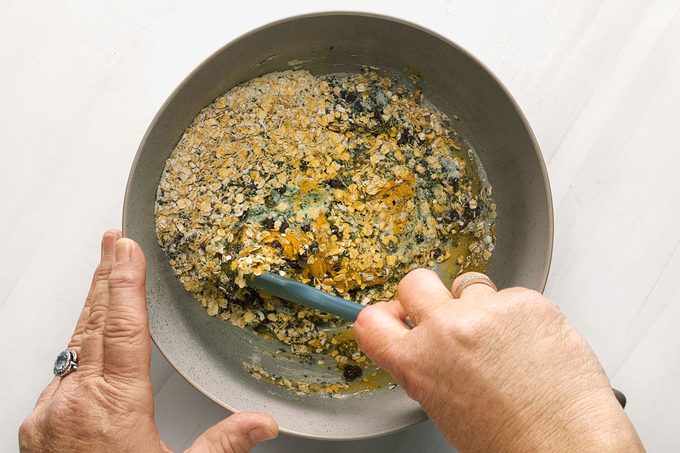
[[209, 352]]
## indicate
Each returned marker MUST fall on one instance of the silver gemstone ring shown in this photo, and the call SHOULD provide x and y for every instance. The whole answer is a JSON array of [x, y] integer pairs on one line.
[[67, 361]]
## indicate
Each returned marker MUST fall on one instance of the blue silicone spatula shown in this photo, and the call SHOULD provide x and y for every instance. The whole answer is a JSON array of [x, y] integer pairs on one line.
[[306, 295]]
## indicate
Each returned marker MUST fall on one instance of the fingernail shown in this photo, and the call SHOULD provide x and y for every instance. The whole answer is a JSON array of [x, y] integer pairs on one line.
[[123, 250], [261, 433]]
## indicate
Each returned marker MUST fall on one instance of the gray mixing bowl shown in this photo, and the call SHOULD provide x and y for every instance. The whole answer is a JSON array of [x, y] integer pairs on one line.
[[208, 352]]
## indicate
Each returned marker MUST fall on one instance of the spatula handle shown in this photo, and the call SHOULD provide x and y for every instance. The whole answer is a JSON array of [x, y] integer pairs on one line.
[[305, 295]]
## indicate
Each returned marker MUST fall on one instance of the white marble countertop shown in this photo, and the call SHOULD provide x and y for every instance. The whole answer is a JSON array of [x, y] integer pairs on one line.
[[598, 80]]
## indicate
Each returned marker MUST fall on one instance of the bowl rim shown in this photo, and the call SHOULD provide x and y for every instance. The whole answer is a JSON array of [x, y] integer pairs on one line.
[[214, 54]]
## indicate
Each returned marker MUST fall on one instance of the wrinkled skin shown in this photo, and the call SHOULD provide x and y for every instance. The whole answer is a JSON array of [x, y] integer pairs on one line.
[[107, 403], [495, 371]]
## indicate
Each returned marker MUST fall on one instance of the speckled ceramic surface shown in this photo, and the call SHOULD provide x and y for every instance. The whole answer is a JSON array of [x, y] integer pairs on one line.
[[209, 352]]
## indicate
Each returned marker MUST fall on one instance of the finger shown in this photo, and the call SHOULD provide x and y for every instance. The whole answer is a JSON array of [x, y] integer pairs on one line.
[[237, 434], [91, 353], [421, 293], [378, 329], [127, 345], [101, 274], [468, 287]]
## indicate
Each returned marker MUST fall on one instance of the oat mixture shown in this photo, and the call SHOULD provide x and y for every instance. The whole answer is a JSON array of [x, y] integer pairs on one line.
[[344, 182]]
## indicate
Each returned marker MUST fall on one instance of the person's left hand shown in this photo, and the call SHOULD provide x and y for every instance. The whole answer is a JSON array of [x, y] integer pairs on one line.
[[107, 403]]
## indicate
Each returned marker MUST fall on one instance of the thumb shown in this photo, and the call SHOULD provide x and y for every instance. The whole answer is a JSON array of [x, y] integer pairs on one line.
[[236, 434], [127, 345], [379, 329]]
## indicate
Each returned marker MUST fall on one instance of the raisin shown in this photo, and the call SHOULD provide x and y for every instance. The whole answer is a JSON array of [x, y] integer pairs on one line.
[[470, 213], [406, 137], [436, 253], [452, 215], [348, 96], [420, 238], [299, 263], [351, 372], [284, 225], [334, 183], [268, 223]]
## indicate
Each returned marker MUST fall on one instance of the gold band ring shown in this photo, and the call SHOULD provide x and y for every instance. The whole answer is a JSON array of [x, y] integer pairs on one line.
[[472, 278]]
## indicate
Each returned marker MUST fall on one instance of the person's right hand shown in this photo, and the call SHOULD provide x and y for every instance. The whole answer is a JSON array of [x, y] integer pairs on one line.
[[495, 371]]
